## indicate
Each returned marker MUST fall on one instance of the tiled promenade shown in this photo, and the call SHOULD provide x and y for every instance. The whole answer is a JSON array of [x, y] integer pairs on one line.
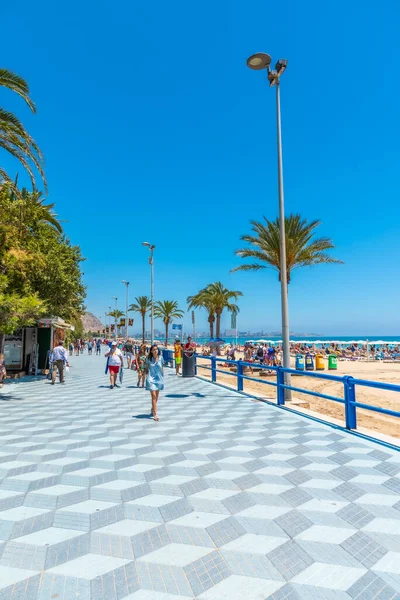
[[223, 498]]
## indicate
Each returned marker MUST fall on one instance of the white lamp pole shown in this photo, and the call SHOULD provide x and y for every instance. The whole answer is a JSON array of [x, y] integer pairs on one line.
[[258, 62], [151, 262], [115, 318], [126, 307]]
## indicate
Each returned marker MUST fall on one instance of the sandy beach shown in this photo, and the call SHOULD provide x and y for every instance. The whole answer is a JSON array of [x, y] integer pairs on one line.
[[373, 371]]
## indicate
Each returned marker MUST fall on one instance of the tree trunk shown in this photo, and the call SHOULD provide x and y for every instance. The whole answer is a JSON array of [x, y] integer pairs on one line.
[[166, 334], [143, 327], [211, 323], [2, 338], [218, 325]]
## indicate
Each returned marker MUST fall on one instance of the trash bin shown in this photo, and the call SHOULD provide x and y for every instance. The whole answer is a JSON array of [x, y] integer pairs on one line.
[[299, 362], [332, 362], [309, 363], [188, 364], [319, 363], [168, 357]]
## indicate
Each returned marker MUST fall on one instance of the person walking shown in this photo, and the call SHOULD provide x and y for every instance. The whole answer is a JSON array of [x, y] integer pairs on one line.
[[71, 348], [141, 365], [128, 348], [90, 348], [155, 378], [115, 362], [98, 347], [59, 359], [177, 355], [3, 372]]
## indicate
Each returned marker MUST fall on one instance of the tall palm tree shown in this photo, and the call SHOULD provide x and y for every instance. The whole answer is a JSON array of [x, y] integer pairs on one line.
[[203, 300], [167, 310], [142, 305], [302, 248], [221, 298], [13, 136], [215, 298]]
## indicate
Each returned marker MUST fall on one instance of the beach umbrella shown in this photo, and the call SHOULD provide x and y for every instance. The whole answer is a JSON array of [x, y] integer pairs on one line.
[[215, 342]]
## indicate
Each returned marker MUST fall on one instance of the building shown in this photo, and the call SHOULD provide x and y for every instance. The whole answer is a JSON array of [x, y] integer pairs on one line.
[[26, 350]]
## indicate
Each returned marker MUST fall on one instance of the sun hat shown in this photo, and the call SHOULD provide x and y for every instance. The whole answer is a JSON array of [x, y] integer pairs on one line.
[[114, 343]]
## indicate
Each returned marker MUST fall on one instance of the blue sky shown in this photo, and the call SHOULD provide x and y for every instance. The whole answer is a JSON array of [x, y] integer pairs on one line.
[[154, 129]]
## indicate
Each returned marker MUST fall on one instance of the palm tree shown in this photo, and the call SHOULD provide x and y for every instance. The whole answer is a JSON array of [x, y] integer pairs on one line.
[[142, 305], [116, 314], [215, 298], [221, 298], [167, 310], [33, 203], [302, 249], [203, 300], [13, 136]]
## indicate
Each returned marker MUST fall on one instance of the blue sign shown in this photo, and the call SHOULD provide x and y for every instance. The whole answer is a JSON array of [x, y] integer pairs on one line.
[[177, 327]]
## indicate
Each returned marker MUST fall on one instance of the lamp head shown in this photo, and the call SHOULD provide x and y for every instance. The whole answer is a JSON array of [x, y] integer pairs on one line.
[[145, 244], [259, 61], [281, 66]]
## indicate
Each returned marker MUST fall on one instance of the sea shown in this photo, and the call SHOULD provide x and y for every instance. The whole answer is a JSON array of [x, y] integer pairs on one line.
[[318, 341]]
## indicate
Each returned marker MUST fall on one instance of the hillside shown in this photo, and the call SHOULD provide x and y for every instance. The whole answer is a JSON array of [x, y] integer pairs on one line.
[[91, 322]]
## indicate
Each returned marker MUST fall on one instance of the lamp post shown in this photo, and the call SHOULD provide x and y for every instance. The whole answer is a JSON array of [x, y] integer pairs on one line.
[[151, 262], [258, 62], [115, 318], [126, 308], [105, 325], [109, 320]]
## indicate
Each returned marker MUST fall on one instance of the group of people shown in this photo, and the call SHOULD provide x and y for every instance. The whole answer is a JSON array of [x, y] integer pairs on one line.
[[149, 365], [80, 345]]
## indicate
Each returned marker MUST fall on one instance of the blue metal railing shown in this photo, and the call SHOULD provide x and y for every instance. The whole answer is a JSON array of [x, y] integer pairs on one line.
[[349, 386], [168, 355]]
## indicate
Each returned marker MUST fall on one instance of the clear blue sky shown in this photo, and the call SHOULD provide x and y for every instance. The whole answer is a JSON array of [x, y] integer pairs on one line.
[[154, 129]]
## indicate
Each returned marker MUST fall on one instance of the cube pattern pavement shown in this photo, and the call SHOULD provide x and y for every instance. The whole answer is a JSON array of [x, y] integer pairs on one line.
[[224, 497]]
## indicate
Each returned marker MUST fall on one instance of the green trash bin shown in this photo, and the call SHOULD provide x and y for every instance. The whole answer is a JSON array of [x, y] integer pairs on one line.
[[332, 362]]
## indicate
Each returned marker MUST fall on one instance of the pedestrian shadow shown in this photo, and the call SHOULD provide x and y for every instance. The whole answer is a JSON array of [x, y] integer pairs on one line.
[[7, 397], [104, 386], [146, 416], [195, 394]]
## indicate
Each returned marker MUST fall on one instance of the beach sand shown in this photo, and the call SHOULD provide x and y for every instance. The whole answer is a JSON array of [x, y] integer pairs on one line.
[[373, 371]]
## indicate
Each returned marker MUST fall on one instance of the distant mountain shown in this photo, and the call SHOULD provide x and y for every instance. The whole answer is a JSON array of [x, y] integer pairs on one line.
[[91, 323]]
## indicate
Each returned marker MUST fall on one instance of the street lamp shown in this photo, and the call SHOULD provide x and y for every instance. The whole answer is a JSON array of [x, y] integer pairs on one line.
[[115, 316], [151, 262], [257, 62], [126, 308]]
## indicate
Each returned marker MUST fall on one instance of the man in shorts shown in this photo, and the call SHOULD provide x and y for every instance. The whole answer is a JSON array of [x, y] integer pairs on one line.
[[115, 362], [129, 352], [177, 355]]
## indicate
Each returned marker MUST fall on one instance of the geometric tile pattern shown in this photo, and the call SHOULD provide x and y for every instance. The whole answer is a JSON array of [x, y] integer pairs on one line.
[[224, 497]]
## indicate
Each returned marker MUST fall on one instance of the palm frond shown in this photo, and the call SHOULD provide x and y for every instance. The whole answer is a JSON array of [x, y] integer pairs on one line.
[[302, 248], [14, 82]]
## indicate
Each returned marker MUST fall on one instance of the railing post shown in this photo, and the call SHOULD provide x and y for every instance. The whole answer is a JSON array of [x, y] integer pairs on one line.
[[195, 363], [213, 369], [280, 391], [349, 400], [239, 376]]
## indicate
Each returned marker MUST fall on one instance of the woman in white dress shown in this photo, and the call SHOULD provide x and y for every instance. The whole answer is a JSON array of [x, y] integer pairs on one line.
[[155, 378]]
